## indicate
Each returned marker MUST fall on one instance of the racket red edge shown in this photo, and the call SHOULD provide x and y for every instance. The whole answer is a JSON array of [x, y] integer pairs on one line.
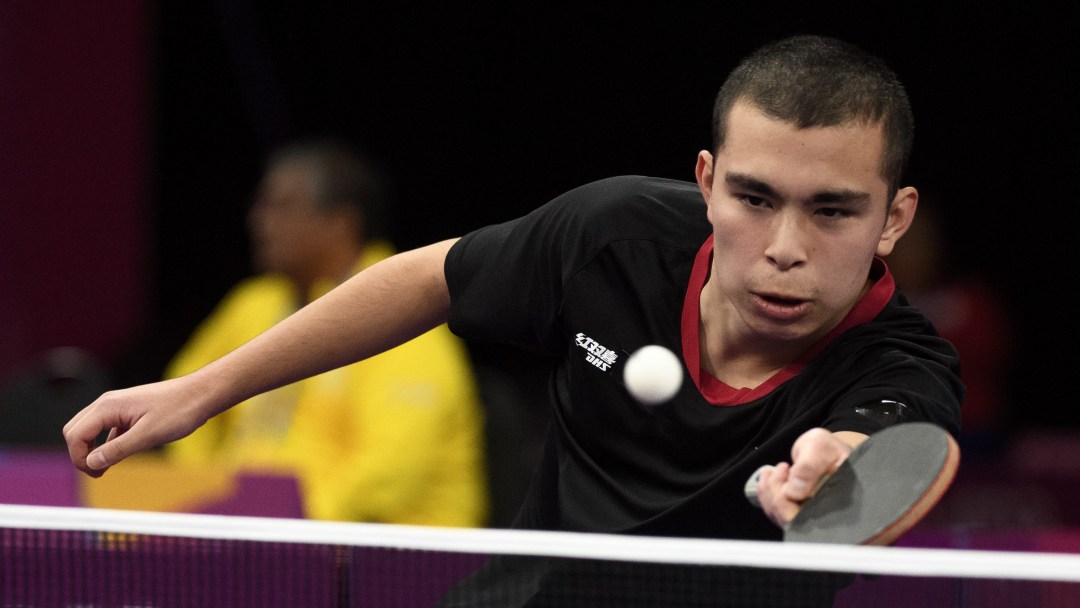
[[926, 502]]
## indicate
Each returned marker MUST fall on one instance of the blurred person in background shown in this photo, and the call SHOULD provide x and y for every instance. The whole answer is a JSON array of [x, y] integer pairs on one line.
[[967, 311], [397, 438]]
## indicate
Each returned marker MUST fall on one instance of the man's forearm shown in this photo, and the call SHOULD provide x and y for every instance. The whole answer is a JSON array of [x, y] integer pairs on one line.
[[385, 305]]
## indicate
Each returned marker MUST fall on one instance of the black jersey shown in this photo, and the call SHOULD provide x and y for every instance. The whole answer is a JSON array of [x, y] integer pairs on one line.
[[619, 264]]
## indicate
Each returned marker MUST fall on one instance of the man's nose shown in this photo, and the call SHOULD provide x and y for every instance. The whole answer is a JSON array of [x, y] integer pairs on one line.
[[787, 246]]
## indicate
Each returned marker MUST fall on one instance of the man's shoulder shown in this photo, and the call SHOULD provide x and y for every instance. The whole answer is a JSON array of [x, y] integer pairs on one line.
[[900, 335], [626, 200], [624, 189]]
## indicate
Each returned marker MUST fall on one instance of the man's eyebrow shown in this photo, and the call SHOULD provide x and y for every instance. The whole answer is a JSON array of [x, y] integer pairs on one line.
[[748, 182], [841, 196]]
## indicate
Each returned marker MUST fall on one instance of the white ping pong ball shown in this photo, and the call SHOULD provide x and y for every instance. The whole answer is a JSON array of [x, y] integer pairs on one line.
[[653, 374]]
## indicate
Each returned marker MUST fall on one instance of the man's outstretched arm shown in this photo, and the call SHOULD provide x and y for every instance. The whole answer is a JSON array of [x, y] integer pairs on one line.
[[385, 305]]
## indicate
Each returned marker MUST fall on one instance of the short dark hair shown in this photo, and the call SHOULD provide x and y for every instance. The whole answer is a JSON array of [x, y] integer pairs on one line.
[[817, 81], [344, 176]]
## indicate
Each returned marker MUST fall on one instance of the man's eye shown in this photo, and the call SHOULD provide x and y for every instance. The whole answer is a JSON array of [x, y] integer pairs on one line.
[[833, 212], [753, 201]]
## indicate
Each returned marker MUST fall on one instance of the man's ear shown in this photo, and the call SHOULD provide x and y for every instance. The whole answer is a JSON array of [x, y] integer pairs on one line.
[[703, 171], [901, 214]]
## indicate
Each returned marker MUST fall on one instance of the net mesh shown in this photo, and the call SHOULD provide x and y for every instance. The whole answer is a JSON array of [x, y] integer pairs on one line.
[[78, 557]]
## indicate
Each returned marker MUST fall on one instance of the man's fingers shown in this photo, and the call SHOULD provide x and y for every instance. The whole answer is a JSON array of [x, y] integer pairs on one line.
[[98, 461], [780, 509], [764, 489], [84, 430], [781, 489], [804, 481], [815, 455], [121, 423], [79, 442], [117, 447], [752, 485]]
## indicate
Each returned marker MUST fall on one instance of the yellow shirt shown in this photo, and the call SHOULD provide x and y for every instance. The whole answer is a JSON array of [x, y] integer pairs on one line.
[[397, 438]]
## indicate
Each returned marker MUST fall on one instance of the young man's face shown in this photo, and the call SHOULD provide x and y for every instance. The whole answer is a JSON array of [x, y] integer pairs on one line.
[[798, 216]]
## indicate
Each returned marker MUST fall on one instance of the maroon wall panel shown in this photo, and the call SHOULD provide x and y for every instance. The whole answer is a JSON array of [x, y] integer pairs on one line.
[[74, 158]]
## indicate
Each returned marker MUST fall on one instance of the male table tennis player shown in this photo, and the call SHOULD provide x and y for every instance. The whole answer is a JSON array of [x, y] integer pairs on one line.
[[766, 276]]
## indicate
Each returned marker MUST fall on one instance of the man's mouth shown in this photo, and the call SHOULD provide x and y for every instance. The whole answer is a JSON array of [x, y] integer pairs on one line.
[[781, 307]]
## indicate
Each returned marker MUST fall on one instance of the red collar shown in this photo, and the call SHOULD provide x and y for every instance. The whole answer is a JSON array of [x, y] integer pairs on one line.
[[718, 393]]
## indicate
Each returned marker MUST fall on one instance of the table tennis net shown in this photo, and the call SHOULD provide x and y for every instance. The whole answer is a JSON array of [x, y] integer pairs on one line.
[[80, 557]]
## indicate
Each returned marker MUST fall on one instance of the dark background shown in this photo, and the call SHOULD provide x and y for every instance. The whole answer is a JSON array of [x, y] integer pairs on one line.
[[485, 113]]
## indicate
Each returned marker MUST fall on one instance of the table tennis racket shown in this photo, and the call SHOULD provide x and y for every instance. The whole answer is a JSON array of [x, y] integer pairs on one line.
[[887, 484]]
